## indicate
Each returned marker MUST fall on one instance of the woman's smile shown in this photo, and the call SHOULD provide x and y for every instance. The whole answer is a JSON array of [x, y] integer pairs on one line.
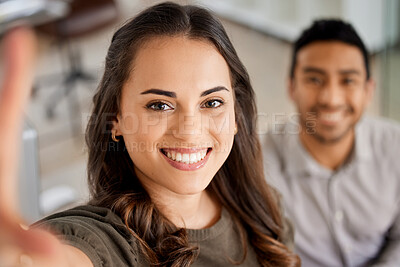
[[180, 90], [186, 159]]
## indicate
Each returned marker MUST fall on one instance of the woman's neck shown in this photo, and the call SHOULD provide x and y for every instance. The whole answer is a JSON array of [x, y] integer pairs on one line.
[[195, 211]]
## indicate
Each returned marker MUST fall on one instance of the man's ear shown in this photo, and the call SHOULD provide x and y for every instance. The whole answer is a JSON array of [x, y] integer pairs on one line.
[[290, 87], [370, 87]]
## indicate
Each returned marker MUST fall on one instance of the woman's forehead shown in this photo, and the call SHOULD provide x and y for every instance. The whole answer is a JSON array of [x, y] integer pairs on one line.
[[174, 63]]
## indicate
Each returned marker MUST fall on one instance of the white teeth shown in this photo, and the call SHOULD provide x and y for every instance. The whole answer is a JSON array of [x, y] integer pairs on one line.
[[336, 116], [193, 158], [187, 158]]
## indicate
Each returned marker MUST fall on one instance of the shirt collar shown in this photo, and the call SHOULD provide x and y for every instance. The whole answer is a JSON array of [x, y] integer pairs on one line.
[[303, 163], [363, 148]]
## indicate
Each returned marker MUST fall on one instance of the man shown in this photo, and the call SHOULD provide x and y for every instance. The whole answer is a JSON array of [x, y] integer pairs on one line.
[[338, 171]]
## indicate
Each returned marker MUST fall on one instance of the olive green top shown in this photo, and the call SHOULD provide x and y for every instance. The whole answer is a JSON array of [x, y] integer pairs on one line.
[[103, 237]]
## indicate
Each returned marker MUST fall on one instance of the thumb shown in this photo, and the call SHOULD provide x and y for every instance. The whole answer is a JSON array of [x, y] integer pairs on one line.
[[19, 46]]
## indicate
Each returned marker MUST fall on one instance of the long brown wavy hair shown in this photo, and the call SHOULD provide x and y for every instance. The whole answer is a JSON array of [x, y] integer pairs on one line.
[[239, 184]]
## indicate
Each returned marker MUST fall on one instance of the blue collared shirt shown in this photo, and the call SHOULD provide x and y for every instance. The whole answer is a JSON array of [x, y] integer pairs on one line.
[[346, 217]]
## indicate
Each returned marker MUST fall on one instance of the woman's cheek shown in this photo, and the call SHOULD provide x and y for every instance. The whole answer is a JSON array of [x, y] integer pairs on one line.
[[143, 135], [222, 124], [222, 128]]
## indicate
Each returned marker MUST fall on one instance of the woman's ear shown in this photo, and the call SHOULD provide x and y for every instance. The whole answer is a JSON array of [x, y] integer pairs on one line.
[[116, 129], [116, 125]]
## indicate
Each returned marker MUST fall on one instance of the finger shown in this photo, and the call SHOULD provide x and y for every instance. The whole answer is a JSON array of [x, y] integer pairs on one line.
[[35, 242], [39, 243], [8, 256], [19, 48], [15, 256]]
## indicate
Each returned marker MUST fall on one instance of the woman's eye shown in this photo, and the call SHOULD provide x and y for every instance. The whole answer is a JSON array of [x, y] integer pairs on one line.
[[159, 106], [213, 103]]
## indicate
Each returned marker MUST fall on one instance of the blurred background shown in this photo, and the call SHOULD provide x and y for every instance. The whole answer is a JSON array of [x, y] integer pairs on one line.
[[73, 41]]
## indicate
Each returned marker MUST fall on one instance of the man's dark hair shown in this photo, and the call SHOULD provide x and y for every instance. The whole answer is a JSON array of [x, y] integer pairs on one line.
[[329, 30]]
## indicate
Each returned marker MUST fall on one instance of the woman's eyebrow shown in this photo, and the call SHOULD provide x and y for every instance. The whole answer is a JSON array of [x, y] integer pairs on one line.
[[173, 94], [212, 90], [159, 92]]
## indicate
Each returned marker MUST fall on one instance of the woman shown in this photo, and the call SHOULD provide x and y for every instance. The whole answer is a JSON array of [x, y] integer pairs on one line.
[[175, 167]]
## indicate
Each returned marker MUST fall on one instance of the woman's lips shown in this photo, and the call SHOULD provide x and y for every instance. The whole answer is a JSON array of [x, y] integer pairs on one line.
[[186, 159]]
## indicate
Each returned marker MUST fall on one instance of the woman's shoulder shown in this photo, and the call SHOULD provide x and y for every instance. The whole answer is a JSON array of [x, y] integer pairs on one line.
[[84, 213], [87, 217], [98, 232]]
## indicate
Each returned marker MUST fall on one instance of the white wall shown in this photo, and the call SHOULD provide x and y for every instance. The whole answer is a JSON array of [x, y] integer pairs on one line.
[[287, 18]]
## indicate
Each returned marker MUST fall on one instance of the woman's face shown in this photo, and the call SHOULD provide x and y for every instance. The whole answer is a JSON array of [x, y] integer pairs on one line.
[[177, 115]]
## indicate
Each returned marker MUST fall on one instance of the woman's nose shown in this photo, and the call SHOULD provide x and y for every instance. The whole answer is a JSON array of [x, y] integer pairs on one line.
[[188, 125]]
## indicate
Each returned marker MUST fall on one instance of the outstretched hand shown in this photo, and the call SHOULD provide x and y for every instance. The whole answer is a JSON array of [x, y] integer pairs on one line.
[[18, 246]]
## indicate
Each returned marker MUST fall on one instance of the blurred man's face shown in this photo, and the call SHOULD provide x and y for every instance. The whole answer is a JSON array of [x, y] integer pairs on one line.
[[330, 89]]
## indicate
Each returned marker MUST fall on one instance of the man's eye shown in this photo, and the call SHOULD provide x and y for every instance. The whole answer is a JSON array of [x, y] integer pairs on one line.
[[315, 80], [159, 106], [348, 81], [213, 103]]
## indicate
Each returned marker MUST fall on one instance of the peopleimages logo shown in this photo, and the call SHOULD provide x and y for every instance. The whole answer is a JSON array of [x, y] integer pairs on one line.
[[275, 123], [149, 147], [180, 124], [200, 124]]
